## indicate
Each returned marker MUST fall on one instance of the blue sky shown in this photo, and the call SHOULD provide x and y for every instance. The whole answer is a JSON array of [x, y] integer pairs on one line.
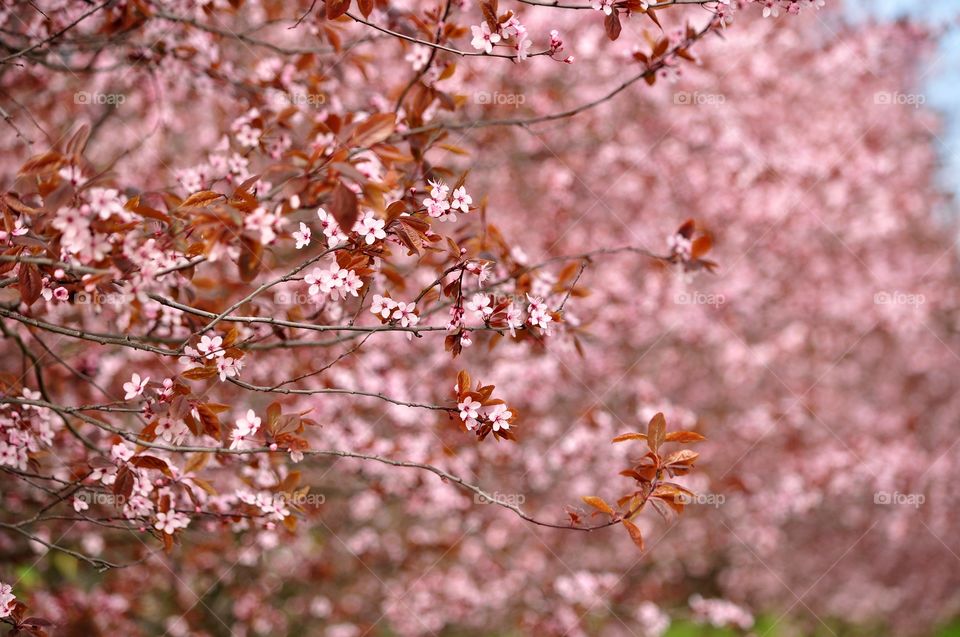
[[941, 82]]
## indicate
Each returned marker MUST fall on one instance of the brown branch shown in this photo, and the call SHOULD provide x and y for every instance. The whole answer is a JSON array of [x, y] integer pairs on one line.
[[527, 121], [443, 474], [56, 35]]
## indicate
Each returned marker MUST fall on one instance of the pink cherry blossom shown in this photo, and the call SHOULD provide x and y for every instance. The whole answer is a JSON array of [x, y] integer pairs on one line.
[[7, 598], [210, 347], [499, 417], [135, 386], [247, 426], [418, 56], [469, 411], [603, 5], [228, 367], [302, 236], [371, 228], [805, 320], [331, 229], [461, 200], [383, 306], [479, 304], [171, 521], [172, 430], [538, 314], [483, 38]]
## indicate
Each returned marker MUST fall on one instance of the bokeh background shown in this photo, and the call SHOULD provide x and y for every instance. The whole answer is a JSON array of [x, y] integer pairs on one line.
[[821, 359]]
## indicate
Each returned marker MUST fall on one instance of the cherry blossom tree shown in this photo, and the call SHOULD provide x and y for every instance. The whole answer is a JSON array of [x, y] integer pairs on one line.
[[383, 317]]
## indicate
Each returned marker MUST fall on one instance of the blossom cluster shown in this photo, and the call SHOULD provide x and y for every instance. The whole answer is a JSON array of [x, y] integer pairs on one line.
[[272, 506], [720, 613], [247, 427], [474, 412], [333, 282], [24, 430], [772, 8], [390, 311], [444, 206], [86, 231], [509, 32], [7, 598]]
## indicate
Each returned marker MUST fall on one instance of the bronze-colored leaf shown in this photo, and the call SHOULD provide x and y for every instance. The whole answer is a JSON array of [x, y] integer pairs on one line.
[[150, 462], [374, 129], [598, 503], [682, 457], [251, 258], [200, 199], [123, 485], [78, 142], [612, 25], [463, 381], [336, 8], [489, 10], [30, 283], [199, 373], [635, 533], [701, 246], [344, 207], [210, 420], [656, 432], [684, 437], [630, 436]]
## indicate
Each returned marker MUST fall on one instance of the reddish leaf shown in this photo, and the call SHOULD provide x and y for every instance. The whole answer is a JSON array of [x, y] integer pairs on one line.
[[656, 432], [200, 199], [463, 381], [634, 531], [653, 16], [598, 503], [684, 437], [210, 421], [30, 283], [630, 436], [78, 142], [374, 129], [199, 373], [123, 485], [701, 246], [336, 8], [489, 10], [612, 25], [344, 207], [150, 462], [250, 261], [682, 457]]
